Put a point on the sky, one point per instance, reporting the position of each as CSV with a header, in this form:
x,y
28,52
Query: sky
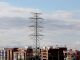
x,y
61,22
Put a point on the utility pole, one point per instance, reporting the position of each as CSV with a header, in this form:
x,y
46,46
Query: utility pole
x,y
36,33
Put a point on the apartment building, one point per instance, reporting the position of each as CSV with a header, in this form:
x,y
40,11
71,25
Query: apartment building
x,y
44,54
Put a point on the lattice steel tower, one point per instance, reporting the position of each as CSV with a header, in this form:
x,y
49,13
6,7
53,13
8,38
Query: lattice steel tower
x,y
37,28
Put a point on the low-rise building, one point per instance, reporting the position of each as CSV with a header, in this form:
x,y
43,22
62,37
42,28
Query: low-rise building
x,y
44,54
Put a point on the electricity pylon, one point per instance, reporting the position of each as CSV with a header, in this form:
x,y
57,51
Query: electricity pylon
x,y
36,32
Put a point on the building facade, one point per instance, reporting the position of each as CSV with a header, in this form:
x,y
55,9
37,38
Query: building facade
x,y
44,54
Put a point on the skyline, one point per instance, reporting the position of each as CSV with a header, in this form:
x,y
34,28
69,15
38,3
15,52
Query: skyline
x,y
61,22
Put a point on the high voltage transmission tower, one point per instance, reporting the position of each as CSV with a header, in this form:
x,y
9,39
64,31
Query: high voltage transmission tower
x,y
36,32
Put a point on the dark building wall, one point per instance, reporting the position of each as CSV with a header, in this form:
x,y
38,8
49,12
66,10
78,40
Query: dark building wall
x,y
56,54
53,54
61,54
29,53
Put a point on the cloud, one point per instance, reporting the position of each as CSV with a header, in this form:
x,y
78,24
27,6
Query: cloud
x,y
63,20
16,22
63,28
62,14
65,16
14,17
7,10
60,27
13,37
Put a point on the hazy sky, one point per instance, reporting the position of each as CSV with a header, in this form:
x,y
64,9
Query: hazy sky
x,y
61,22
